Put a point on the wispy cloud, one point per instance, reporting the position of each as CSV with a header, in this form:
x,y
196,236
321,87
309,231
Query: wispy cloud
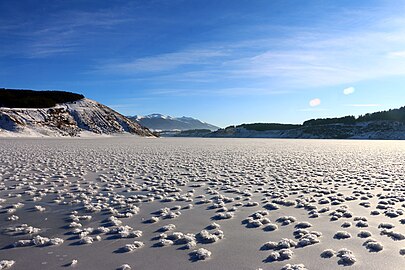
x,y
48,46
236,91
363,105
306,57
396,54
164,62
60,33
312,110
326,60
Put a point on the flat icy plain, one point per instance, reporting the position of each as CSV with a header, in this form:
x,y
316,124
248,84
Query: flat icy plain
x,y
133,203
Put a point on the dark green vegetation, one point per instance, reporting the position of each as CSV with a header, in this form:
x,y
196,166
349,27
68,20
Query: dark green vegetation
x,y
329,121
395,115
190,131
13,98
185,133
268,126
390,115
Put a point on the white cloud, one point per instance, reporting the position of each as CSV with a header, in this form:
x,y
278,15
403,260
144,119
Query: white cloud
x,y
348,90
314,102
397,54
165,62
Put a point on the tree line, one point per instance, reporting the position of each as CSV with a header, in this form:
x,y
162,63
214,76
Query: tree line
x,y
15,98
390,115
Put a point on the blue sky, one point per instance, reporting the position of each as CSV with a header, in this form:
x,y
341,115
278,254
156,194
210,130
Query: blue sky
x,y
225,62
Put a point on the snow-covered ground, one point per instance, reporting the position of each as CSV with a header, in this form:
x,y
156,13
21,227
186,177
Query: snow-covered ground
x,y
134,203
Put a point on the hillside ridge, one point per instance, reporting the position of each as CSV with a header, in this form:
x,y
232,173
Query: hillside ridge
x,y
76,118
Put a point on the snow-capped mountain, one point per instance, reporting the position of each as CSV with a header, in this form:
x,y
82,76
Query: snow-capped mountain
x,y
83,117
160,122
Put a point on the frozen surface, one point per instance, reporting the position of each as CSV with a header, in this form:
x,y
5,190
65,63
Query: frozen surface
x,y
133,203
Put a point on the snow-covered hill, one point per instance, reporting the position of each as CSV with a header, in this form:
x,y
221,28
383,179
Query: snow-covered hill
x,y
84,117
159,122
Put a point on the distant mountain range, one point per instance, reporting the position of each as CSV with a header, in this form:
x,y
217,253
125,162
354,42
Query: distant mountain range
x,y
159,122
27,113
